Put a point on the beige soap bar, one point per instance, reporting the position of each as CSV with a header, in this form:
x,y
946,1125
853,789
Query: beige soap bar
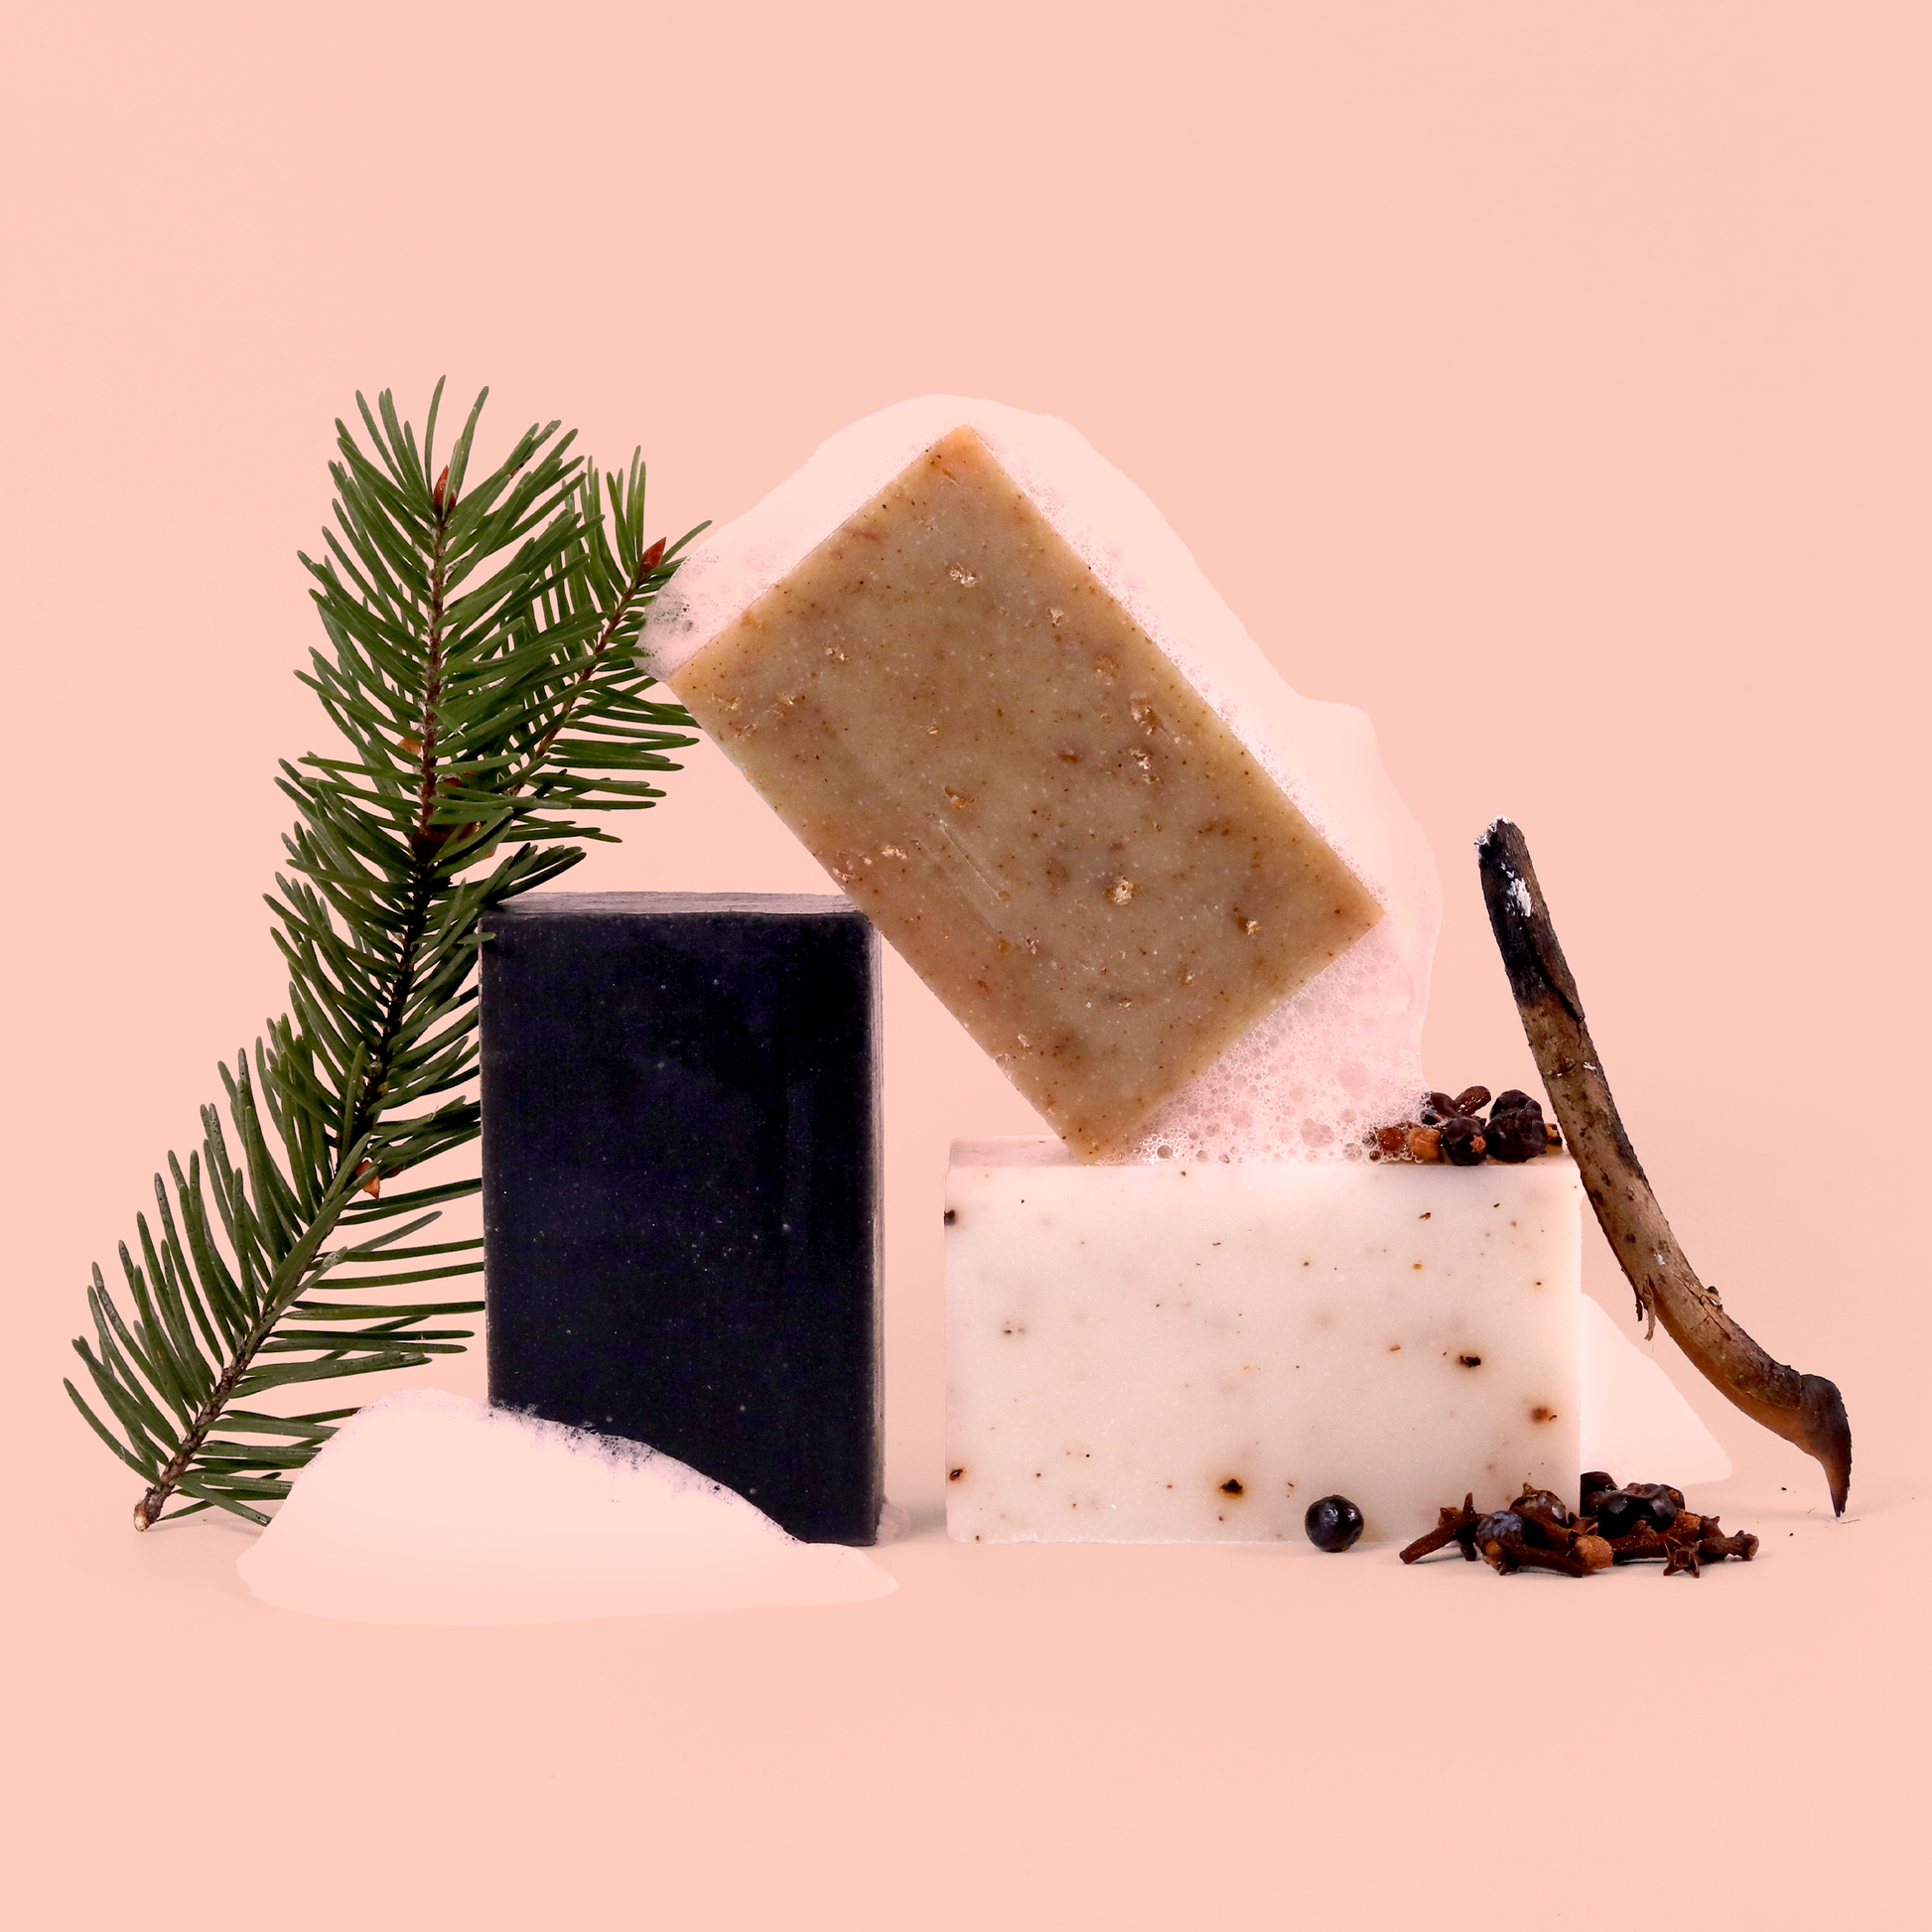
x,y
1033,805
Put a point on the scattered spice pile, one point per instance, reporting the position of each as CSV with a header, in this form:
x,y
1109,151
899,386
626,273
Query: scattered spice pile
x,y
1454,1129
1643,1522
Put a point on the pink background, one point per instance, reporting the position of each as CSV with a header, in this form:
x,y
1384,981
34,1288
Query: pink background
x,y
1551,384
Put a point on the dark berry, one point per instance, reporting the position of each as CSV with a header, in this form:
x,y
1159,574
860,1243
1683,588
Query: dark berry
x,y
1619,1514
1515,1100
1546,1502
1334,1524
1643,1505
1463,1139
1494,1533
1516,1136
1592,1485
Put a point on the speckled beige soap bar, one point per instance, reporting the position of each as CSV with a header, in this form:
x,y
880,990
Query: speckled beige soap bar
x,y
1037,810
1182,1354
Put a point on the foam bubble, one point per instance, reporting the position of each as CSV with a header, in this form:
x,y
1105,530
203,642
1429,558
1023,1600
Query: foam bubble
x,y
1342,1055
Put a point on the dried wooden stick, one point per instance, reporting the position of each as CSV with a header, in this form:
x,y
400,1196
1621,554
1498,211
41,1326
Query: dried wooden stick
x,y
1806,1410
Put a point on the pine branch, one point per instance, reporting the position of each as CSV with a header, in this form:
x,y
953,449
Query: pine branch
x,y
482,671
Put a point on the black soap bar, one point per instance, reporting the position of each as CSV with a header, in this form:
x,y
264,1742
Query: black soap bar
x,y
680,1159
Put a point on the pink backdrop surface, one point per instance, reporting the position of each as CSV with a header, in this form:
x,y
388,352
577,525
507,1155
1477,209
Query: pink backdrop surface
x,y
1552,385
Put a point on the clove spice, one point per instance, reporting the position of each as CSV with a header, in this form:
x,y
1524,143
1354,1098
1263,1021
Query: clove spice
x,y
1452,1129
1538,1532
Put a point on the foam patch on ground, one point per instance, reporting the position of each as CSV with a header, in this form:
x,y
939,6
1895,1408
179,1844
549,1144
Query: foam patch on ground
x,y
427,1508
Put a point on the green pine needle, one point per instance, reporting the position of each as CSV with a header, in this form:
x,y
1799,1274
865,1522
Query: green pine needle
x,y
483,670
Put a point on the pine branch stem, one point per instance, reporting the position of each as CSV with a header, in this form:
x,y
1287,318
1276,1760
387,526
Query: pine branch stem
x,y
147,1511
425,843
473,711
425,834
369,1103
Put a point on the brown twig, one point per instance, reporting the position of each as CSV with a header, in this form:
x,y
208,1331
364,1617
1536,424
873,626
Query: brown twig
x,y
1806,1410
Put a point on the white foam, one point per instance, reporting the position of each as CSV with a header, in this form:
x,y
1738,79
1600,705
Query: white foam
x,y
1346,1052
1635,1422
426,1508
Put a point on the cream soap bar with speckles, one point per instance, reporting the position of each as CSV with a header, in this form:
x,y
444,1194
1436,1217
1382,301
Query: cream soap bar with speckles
x,y
1191,1353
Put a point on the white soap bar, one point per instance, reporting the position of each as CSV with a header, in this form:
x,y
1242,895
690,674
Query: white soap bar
x,y
1185,1353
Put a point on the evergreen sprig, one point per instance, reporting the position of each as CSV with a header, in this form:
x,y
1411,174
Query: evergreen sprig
x,y
483,668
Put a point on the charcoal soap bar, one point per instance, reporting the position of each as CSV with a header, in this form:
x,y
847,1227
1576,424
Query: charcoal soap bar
x,y
681,1185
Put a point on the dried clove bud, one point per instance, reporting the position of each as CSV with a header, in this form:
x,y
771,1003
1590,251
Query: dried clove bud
x,y
1451,1526
1689,1543
1501,1542
1641,1544
1542,1529
1682,1559
1714,1546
